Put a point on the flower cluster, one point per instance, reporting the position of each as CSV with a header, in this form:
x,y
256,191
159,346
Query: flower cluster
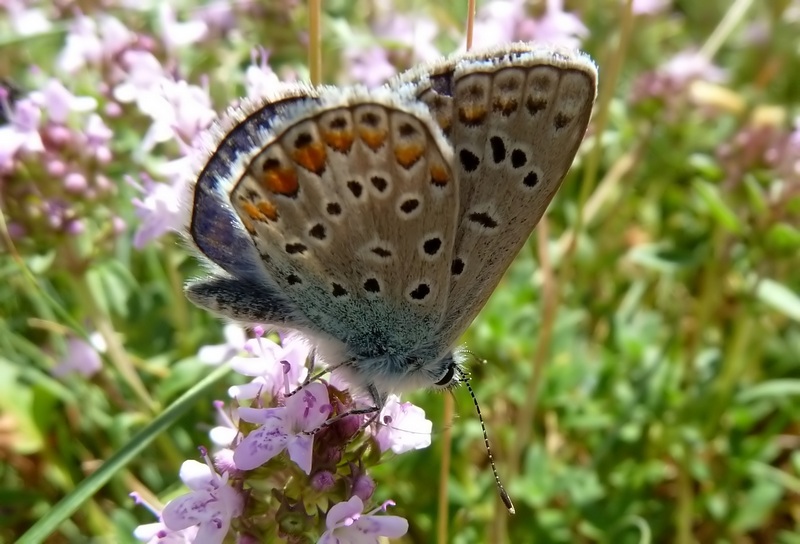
x,y
291,459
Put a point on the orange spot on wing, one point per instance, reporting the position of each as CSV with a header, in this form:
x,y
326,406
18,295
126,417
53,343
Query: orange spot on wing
x,y
268,209
505,106
439,175
252,211
472,114
408,155
311,157
279,179
340,140
373,138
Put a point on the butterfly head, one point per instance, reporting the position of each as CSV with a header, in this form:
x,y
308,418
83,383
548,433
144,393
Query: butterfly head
x,y
380,376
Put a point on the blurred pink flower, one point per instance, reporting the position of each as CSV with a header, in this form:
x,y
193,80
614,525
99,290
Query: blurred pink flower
x,y
226,432
98,135
92,40
415,31
59,102
26,20
142,72
176,34
555,26
159,210
22,133
650,7
369,66
497,22
235,339
692,65
503,21
372,64
179,111
259,79
81,357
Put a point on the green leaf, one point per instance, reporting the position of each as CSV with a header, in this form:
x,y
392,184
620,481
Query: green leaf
x,y
778,297
783,236
770,389
717,206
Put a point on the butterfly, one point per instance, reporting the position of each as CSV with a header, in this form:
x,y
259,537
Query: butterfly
x,y
377,222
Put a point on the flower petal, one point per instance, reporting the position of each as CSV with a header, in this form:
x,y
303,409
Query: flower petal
x,y
407,428
300,449
188,510
261,445
391,526
263,416
212,531
196,475
342,511
223,436
309,408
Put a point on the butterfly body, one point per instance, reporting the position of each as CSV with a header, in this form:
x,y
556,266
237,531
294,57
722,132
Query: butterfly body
x,y
378,222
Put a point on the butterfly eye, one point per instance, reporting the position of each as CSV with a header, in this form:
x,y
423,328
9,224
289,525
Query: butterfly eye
x,y
448,376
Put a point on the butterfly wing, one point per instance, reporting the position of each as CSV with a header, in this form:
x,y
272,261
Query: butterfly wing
x,y
515,117
351,206
238,288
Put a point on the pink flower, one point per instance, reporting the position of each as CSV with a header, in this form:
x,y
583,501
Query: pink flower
x,y
81,357
284,428
59,102
235,340
225,433
497,22
650,7
556,26
259,79
176,34
275,367
22,134
83,46
416,31
115,37
143,71
690,65
158,533
25,20
347,525
209,506
159,211
403,427
179,111
369,66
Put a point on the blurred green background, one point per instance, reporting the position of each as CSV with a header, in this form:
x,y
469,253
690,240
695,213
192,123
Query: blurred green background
x,y
642,375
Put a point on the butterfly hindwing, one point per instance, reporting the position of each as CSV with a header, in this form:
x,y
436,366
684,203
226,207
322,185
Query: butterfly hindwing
x,y
238,288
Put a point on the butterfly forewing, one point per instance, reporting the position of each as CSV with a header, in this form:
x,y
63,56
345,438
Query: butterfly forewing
x,y
515,117
352,207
